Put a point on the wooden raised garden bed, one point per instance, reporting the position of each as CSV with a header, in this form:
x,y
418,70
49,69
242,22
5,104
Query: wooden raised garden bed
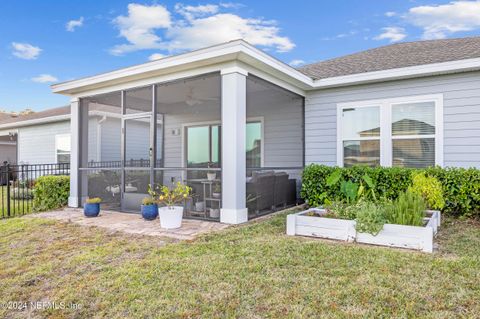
x,y
311,223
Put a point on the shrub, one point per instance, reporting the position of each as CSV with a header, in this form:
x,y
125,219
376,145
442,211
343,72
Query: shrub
x,y
93,200
387,183
429,188
407,209
170,195
148,201
461,187
50,192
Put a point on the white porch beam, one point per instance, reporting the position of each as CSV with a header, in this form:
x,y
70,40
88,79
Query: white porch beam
x,y
75,124
234,100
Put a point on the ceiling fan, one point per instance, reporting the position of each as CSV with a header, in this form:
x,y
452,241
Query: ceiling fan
x,y
191,100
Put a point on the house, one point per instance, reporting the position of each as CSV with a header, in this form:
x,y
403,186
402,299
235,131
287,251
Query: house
x,y
253,122
44,137
35,138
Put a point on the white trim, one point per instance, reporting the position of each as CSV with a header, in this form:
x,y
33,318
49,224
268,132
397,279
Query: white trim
x,y
386,137
233,216
237,50
44,120
8,132
57,136
241,51
400,73
99,137
234,69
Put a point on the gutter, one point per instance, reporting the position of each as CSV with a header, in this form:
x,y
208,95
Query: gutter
x,y
240,50
400,73
44,120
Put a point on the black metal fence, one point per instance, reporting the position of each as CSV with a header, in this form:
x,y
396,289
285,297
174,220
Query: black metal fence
x,y
17,183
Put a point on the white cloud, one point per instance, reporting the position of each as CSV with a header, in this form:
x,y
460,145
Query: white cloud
x,y
296,62
393,34
231,5
439,21
350,33
156,56
390,13
192,12
224,27
44,78
25,51
72,24
138,28
193,27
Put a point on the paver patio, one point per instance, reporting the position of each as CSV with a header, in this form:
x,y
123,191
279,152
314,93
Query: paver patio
x,y
133,223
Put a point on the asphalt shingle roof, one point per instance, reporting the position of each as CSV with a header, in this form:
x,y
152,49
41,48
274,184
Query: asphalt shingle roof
x,y
6,118
396,56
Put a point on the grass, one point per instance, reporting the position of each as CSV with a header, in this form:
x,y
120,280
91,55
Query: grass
x,y
252,271
17,208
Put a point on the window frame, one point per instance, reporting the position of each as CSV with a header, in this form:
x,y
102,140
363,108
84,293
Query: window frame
x,y
57,137
386,138
183,134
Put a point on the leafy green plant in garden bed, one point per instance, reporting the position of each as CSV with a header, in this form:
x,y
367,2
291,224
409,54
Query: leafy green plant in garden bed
x,y
407,209
370,218
429,188
460,187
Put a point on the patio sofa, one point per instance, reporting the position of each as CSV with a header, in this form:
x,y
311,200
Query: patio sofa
x,y
269,190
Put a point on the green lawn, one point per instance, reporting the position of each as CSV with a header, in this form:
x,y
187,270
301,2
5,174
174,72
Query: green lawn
x,y
252,271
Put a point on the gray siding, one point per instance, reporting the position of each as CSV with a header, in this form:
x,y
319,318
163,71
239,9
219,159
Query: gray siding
x,y
461,93
36,144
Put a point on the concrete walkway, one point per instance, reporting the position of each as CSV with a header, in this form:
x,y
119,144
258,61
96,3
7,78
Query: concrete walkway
x,y
133,223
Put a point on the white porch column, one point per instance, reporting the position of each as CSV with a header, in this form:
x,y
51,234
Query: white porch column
x,y
234,100
75,118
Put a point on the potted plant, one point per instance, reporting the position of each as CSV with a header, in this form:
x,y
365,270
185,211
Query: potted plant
x,y
171,215
92,207
149,208
211,176
217,189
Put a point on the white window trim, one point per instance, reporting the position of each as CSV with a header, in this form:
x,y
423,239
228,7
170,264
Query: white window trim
x,y
57,136
386,125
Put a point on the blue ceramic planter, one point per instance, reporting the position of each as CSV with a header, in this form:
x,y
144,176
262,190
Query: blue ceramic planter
x,y
149,212
91,210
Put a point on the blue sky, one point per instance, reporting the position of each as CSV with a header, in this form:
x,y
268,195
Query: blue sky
x,y
42,42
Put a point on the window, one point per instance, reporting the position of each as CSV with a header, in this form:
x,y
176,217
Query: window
x,y
403,132
203,145
413,134
62,148
253,144
361,135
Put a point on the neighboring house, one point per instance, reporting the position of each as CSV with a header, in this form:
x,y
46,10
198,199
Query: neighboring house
x,y
233,110
44,137
8,144
36,138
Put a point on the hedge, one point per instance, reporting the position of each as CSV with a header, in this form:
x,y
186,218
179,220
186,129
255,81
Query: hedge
x,y
51,192
461,186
